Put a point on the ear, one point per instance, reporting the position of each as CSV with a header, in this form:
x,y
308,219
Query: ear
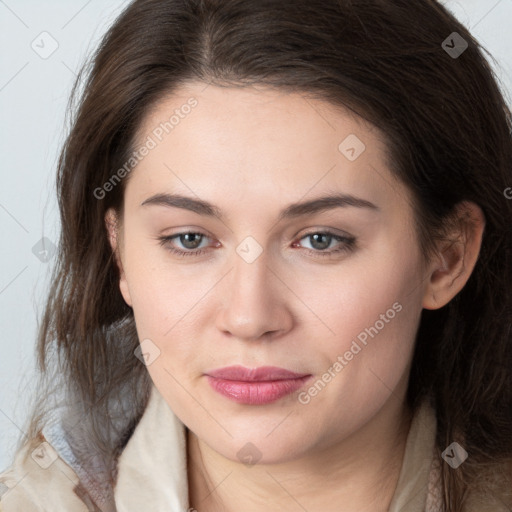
x,y
112,225
457,256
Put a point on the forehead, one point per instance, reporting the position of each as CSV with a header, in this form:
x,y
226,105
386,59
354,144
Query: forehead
x,y
257,141
221,112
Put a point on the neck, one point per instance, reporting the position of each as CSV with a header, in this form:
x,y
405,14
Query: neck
x,y
359,473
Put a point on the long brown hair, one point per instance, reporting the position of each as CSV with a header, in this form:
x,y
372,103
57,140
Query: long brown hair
x,y
449,133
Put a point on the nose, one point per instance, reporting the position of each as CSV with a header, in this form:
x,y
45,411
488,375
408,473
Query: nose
x,y
255,300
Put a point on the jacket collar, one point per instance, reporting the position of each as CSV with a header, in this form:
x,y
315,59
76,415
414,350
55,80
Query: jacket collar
x,y
68,436
152,469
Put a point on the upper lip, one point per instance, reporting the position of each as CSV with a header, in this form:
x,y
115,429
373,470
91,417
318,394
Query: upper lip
x,y
263,373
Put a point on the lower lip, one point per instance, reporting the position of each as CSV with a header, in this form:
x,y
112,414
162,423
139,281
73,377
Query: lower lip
x,y
256,393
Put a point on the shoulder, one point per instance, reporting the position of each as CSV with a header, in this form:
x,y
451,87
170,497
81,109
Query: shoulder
x,y
491,491
494,490
38,479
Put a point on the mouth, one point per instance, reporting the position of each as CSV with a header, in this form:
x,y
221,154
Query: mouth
x,y
257,386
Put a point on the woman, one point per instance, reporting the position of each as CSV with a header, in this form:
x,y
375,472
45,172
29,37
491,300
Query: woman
x,y
285,268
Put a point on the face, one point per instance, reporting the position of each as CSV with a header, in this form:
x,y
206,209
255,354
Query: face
x,y
333,294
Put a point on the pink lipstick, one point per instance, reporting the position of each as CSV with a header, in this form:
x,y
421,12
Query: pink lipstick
x,y
256,386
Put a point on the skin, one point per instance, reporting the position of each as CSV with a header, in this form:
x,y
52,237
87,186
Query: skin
x,y
253,151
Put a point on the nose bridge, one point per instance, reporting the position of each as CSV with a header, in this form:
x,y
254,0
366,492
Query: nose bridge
x,y
251,305
249,281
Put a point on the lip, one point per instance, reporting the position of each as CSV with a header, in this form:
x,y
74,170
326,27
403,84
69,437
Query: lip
x,y
262,373
256,386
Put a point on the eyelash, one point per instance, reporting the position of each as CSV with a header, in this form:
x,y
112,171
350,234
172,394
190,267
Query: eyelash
x,y
349,244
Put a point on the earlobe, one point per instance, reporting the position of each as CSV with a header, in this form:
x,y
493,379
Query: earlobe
x,y
456,259
112,226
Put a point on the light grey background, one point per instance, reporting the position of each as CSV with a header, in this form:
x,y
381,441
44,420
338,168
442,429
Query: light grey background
x,y
33,98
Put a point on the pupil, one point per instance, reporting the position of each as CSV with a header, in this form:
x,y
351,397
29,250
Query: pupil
x,y
317,241
322,245
187,237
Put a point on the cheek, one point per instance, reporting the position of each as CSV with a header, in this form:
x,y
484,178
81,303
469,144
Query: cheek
x,y
162,291
374,312
367,294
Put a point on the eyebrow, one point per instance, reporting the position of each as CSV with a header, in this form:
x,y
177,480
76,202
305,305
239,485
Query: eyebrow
x,y
293,210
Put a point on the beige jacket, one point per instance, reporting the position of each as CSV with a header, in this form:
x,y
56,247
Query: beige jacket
x,y
152,472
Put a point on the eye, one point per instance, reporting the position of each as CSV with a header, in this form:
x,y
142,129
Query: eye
x,y
190,240
321,240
